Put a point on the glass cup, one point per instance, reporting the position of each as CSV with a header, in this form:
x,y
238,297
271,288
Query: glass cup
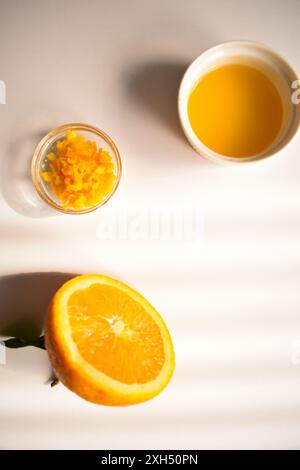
x,y
47,145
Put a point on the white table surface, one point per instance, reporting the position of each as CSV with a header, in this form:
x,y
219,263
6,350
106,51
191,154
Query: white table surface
x,y
230,295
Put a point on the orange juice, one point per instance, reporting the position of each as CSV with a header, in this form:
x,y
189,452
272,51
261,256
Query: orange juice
x,y
236,110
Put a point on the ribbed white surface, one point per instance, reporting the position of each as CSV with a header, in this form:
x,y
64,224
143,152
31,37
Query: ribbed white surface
x,y
230,295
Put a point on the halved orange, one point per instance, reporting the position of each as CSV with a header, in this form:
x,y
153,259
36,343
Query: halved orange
x,y
106,342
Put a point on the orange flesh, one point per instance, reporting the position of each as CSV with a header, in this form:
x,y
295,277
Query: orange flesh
x,y
115,334
236,110
80,174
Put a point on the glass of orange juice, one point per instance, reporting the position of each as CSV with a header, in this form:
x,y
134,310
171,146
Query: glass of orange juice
x,y
235,103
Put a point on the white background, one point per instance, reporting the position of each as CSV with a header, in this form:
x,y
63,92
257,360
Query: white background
x,y
230,296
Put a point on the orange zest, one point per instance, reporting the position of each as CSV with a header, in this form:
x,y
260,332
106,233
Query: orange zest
x,y
107,343
79,173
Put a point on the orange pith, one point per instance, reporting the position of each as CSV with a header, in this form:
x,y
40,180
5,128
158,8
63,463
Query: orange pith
x,y
115,334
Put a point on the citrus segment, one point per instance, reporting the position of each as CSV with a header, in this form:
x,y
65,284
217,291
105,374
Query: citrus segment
x,y
115,334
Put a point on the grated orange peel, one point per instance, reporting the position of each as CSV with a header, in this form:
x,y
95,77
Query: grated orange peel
x,y
80,174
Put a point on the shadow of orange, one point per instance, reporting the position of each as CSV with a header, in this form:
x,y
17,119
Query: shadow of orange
x,y
24,301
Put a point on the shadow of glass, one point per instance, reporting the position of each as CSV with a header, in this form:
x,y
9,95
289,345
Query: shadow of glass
x,y
24,302
22,137
15,180
154,86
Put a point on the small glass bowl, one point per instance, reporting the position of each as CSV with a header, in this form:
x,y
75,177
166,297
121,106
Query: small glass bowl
x,y
47,144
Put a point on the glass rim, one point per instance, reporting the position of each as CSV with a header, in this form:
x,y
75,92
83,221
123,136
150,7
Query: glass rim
x,y
38,154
